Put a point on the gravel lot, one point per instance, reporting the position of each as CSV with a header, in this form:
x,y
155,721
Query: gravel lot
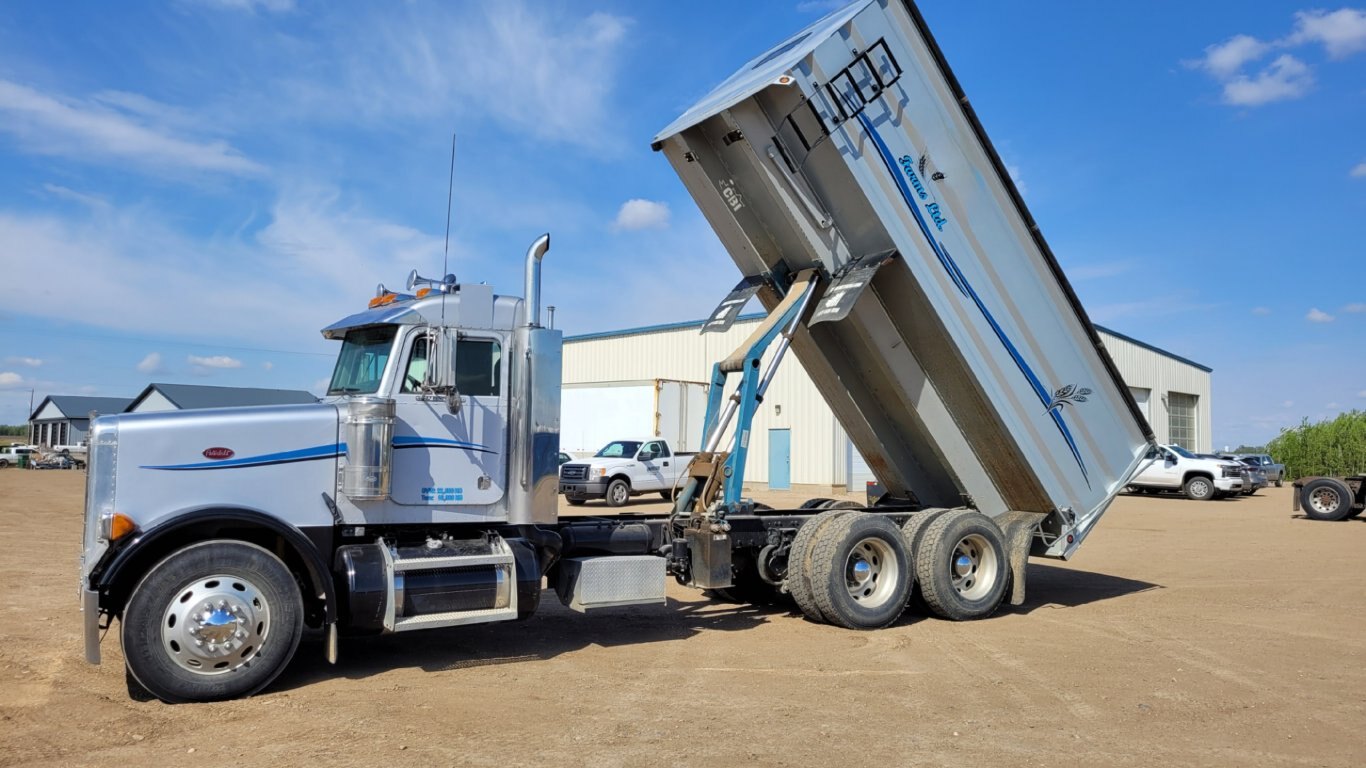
x,y
1183,633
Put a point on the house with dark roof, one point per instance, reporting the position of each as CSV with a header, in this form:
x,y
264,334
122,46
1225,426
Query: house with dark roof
x,y
64,419
179,397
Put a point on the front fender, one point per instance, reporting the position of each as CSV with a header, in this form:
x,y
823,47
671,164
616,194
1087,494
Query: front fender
x,y
122,566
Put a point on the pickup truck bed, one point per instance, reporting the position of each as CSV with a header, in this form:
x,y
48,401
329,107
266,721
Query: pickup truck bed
x,y
958,359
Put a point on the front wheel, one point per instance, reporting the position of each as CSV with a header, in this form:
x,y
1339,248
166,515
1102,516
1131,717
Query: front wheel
x,y
3,463
1278,482
1199,488
575,501
214,621
618,493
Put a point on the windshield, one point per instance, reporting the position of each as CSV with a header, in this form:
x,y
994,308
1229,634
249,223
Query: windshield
x,y
360,366
618,449
1179,451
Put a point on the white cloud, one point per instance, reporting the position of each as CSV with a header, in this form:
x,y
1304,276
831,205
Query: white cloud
x,y
1355,308
546,74
1341,32
151,363
1332,406
32,362
268,365
1288,404
96,129
1262,311
1362,393
1284,78
10,379
1317,316
1359,171
216,361
62,193
642,214
1226,59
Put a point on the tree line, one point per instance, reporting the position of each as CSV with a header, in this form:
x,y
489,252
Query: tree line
x,y
1331,447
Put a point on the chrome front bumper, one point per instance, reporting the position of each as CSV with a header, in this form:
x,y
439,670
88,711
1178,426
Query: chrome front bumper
x,y
90,620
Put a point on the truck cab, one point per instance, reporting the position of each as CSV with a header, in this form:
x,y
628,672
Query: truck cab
x,y
1173,468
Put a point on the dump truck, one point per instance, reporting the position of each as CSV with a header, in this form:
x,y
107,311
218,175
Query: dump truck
x,y
863,204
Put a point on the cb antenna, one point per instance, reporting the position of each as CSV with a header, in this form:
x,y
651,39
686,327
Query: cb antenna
x,y
446,252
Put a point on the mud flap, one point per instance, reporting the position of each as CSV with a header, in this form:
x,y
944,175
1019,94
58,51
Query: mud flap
x,y
723,317
848,285
1018,528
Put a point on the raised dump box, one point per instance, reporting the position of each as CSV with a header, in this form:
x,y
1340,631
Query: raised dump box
x,y
947,340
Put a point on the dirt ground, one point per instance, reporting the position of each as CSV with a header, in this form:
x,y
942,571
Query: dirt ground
x,y
1183,633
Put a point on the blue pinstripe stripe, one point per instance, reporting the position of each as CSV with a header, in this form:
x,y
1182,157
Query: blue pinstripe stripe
x,y
961,281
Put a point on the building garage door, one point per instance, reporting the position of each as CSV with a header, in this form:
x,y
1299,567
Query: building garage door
x,y
857,472
1181,419
1141,397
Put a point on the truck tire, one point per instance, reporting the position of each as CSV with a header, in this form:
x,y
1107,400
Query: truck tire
x,y
1326,498
962,566
1278,482
1199,488
860,571
4,463
798,579
666,495
575,501
618,493
239,596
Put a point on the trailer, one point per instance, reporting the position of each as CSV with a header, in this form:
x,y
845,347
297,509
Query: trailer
x,y
592,415
863,204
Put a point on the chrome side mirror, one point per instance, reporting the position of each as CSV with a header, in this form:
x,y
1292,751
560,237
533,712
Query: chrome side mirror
x,y
453,401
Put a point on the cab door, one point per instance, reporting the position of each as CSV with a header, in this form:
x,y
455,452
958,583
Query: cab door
x,y
444,459
654,460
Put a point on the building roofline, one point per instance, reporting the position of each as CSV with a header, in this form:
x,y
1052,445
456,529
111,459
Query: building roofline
x,y
645,329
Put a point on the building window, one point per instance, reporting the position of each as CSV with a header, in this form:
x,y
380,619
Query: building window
x,y
1181,429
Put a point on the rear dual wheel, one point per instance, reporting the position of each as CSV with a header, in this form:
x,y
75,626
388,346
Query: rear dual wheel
x,y
1327,498
962,565
850,569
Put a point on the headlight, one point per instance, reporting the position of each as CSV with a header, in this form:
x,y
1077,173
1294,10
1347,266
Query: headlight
x,y
599,471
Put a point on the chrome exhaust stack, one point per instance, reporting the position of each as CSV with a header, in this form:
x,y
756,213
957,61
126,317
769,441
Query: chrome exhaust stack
x,y
533,280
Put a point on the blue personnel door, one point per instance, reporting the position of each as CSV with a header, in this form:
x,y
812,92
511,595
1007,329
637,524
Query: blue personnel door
x,y
780,459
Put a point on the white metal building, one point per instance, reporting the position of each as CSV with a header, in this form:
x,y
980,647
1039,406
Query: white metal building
x,y
1171,391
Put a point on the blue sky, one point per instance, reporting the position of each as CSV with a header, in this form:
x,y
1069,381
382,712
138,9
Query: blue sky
x,y
192,188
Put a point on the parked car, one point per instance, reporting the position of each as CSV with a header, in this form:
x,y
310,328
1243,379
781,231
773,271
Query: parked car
x,y
9,455
1254,478
1275,473
622,469
1173,468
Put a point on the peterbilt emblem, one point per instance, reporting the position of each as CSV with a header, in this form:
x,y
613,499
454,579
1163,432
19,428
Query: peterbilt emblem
x,y
218,453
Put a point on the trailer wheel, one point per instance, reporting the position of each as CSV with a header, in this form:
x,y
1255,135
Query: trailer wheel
x,y
860,571
216,620
618,493
798,579
962,566
1326,498
1199,488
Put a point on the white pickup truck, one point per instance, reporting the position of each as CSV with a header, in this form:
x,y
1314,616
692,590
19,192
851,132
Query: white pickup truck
x,y
622,469
1173,468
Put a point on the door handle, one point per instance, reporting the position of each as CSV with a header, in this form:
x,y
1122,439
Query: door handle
x,y
666,463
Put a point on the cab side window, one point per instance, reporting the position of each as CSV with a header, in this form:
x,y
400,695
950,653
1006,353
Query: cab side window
x,y
416,371
478,368
656,449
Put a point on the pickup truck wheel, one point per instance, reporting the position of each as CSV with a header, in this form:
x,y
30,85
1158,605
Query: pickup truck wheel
x,y
860,571
4,463
1326,498
618,493
216,620
798,579
1278,482
1199,488
962,566
574,501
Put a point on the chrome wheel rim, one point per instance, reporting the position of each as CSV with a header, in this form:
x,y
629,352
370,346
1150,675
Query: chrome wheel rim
x,y
619,494
215,625
871,572
1324,500
1199,487
973,567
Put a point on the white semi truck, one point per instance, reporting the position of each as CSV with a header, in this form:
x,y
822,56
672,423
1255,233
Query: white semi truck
x,y
854,188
